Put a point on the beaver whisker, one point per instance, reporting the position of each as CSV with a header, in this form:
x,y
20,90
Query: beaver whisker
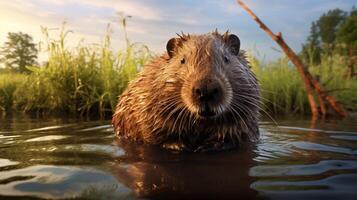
x,y
250,89
168,117
185,120
248,100
182,120
262,102
255,96
237,112
176,120
249,85
245,111
265,112
261,109
248,111
191,119
172,108
250,95
188,116
170,103
171,127
239,107
233,112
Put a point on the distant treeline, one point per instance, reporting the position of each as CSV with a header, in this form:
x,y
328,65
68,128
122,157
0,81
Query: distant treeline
x,y
335,32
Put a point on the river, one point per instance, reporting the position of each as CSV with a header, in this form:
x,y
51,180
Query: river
x,y
61,158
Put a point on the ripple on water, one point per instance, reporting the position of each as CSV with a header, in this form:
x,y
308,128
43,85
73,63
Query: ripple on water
x,y
288,163
6,162
323,147
103,127
48,128
315,130
304,169
8,139
47,138
105,149
345,137
341,186
61,182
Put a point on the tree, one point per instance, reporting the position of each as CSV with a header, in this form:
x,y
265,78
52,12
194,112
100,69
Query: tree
x,y
328,24
347,32
311,51
347,36
323,36
18,52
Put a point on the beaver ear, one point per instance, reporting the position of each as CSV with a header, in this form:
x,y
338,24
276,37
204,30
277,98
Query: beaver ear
x,y
172,46
233,43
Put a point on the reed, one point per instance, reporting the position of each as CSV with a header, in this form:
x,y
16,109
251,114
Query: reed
x,y
87,80
283,91
81,81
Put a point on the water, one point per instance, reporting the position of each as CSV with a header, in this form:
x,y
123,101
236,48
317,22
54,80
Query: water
x,y
73,159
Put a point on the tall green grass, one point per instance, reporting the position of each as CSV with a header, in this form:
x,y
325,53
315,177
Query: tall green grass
x,y
82,81
9,82
283,91
87,80
281,87
332,73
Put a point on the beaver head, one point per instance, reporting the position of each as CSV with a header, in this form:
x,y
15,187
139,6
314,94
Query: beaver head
x,y
214,76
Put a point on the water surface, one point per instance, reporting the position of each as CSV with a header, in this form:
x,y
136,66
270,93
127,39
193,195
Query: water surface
x,y
74,159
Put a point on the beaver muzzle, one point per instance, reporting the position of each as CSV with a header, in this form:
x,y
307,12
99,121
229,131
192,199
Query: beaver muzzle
x,y
207,93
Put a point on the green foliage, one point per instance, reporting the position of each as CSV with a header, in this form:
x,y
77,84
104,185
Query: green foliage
x,y
328,24
332,33
311,51
88,79
82,81
18,52
333,78
283,90
281,87
8,84
347,33
348,30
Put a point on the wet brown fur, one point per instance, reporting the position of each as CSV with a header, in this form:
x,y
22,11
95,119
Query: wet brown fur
x,y
156,107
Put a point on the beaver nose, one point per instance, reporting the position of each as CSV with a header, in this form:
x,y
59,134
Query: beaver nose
x,y
207,91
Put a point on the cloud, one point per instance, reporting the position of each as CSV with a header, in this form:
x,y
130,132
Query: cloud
x,y
138,9
153,22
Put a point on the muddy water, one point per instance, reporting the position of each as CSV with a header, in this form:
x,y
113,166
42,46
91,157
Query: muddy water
x,y
72,159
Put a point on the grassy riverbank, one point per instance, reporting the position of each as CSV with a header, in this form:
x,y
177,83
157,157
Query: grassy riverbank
x,y
87,80
82,81
283,91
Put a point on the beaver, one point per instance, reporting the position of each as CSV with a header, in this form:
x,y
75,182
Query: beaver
x,y
200,95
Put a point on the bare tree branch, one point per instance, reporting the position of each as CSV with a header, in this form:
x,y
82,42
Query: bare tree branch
x,y
310,83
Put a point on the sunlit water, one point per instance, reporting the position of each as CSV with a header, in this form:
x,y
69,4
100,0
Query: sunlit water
x,y
69,159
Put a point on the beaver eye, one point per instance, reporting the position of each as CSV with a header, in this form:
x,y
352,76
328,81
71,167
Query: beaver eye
x,y
226,60
183,61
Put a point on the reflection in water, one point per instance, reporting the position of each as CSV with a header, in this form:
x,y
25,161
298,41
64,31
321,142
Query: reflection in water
x,y
306,170
52,181
335,187
64,158
46,138
6,162
152,172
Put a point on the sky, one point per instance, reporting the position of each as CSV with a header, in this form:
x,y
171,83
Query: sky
x,y
154,22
